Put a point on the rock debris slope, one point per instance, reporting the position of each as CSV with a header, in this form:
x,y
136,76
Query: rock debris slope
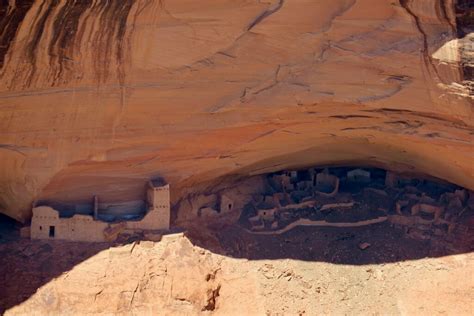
x,y
98,96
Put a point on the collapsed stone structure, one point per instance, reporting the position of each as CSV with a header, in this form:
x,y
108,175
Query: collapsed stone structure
x,y
344,197
47,223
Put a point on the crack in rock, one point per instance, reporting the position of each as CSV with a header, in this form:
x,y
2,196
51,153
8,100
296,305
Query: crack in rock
x,y
265,14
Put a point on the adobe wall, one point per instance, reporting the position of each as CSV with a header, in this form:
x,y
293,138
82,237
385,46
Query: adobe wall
x,y
76,228
158,216
46,223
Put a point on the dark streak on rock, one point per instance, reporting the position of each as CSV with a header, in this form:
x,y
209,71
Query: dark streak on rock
x,y
452,121
405,124
65,28
65,25
10,20
38,31
444,14
113,24
272,9
425,51
66,31
375,128
122,24
346,117
35,36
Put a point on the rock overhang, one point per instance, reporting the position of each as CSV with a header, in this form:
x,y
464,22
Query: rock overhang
x,y
357,86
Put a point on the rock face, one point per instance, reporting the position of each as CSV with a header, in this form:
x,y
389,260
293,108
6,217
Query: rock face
x,y
175,277
98,96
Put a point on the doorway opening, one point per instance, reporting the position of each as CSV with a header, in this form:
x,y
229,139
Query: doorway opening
x,y
51,231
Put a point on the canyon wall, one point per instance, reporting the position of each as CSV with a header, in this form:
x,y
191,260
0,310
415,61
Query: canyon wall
x,y
98,96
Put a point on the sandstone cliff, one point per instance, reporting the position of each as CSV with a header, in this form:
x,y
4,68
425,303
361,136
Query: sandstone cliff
x,y
98,96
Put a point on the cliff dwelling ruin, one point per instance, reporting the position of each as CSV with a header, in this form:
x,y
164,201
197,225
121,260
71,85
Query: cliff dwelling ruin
x,y
342,197
47,223
423,208
318,157
272,204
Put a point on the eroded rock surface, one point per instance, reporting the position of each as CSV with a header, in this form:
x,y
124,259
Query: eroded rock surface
x,y
96,97
175,277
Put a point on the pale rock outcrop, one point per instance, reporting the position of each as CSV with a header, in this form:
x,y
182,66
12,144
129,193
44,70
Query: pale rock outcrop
x,y
168,278
98,96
